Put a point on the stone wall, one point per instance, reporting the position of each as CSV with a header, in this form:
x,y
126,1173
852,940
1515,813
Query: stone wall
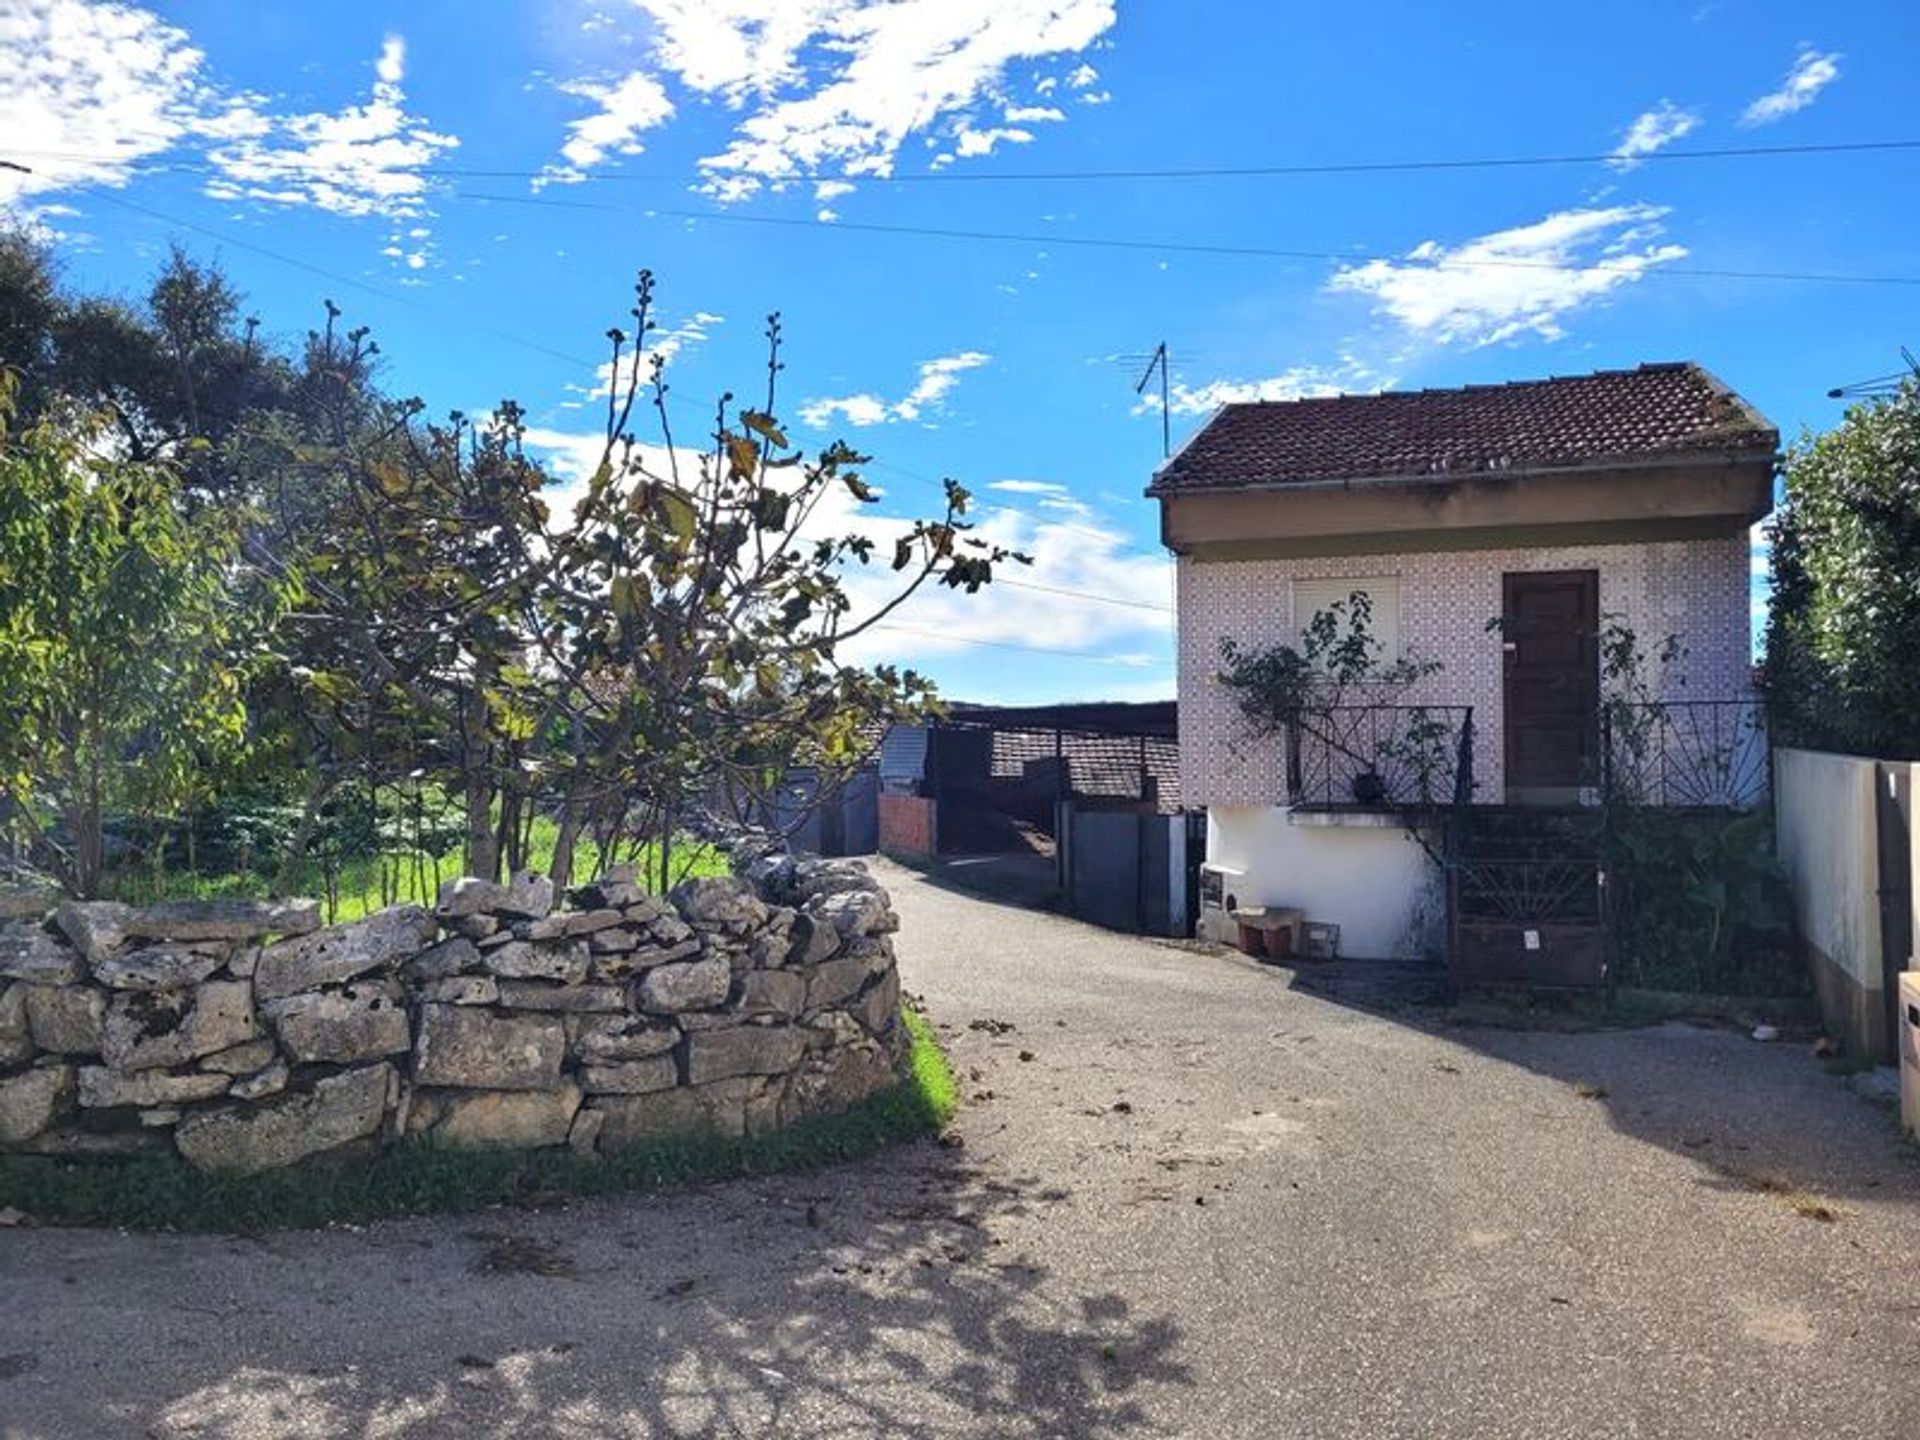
x,y
246,1035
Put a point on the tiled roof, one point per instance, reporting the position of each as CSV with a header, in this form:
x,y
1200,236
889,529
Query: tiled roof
x,y
1624,415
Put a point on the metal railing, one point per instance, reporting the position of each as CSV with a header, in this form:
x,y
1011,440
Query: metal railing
x,y
1685,754
1380,757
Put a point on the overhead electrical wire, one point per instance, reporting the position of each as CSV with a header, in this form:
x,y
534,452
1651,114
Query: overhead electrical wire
x,y
1053,177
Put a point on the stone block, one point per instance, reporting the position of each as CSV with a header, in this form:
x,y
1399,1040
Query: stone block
x,y
878,1007
471,927
468,1047
469,895
153,1029
574,922
583,1138
16,1039
339,1109
529,896
631,1077
501,1120
856,912
461,990
26,899
96,928
102,1088
270,1079
66,1019
618,1037
539,995
364,1021
30,952
227,920
836,982
743,1050
240,1059
773,992
837,1081
686,985
727,1107
31,1100
719,902
565,962
160,967
457,956
646,957
342,952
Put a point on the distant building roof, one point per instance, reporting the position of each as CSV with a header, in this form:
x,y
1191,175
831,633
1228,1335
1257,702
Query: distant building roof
x,y
1609,416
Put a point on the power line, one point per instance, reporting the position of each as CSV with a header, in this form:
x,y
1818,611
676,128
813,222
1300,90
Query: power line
x,y
1083,595
1177,172
1180,247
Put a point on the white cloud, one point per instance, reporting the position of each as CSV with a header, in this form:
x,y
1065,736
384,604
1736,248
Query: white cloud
x,y
936,380
111,83
1810,73
1298,383
831,189
1650,131
361,160
627,110
1512,282
821,84
1075,557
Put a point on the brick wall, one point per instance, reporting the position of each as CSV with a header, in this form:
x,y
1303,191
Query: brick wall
x,y
1696,589
909,825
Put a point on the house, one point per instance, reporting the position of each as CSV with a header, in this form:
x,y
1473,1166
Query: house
x,y
1566,559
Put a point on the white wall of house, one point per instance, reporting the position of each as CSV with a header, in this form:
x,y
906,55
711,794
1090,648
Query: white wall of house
x,y
1696,589
1375,882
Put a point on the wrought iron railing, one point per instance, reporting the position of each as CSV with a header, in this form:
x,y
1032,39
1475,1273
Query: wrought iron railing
x,y
1380,757
1687,754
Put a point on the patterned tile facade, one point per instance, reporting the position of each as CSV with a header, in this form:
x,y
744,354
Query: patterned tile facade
x,y
1695,589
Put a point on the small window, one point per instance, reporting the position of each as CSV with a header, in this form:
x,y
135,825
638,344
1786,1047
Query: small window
x,y
1382,592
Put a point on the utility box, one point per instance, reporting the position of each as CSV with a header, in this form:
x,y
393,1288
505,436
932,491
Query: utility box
x,y
1909,1046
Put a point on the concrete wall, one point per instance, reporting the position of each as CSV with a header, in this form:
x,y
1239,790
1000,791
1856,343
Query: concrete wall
x,y
1375,882
1696,589
1824,809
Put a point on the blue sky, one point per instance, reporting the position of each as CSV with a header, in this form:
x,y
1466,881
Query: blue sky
x,y
594,137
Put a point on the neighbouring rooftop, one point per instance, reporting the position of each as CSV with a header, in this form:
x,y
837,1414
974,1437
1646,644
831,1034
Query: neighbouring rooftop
x,y
1610,416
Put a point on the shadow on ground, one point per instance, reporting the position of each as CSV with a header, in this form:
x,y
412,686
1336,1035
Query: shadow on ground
x,y
1760,1115
874,1300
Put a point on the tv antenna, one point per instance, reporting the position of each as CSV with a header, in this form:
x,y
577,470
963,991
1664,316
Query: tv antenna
x,y
1159,362
1879,384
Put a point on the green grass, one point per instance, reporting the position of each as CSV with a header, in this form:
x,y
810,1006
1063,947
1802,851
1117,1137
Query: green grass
x,y
365,883
163,1192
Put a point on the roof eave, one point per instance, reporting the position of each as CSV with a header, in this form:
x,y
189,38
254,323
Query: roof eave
x,y
1766,449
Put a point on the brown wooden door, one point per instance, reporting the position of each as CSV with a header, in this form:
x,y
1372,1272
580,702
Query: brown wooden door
x,y
1552,699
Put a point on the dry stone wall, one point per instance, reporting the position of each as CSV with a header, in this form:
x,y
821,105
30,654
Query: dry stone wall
x,y
246,1035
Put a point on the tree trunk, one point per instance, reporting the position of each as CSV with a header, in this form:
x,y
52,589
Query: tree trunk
x,y
296,848
482,844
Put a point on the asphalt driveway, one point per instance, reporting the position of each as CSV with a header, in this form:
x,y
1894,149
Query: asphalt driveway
x,y
1188,1197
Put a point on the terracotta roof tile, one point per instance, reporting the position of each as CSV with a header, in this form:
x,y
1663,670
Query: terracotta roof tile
x,y
1625,415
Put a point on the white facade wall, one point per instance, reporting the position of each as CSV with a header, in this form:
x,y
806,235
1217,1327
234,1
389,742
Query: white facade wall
x,y
1696,589
1374,882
